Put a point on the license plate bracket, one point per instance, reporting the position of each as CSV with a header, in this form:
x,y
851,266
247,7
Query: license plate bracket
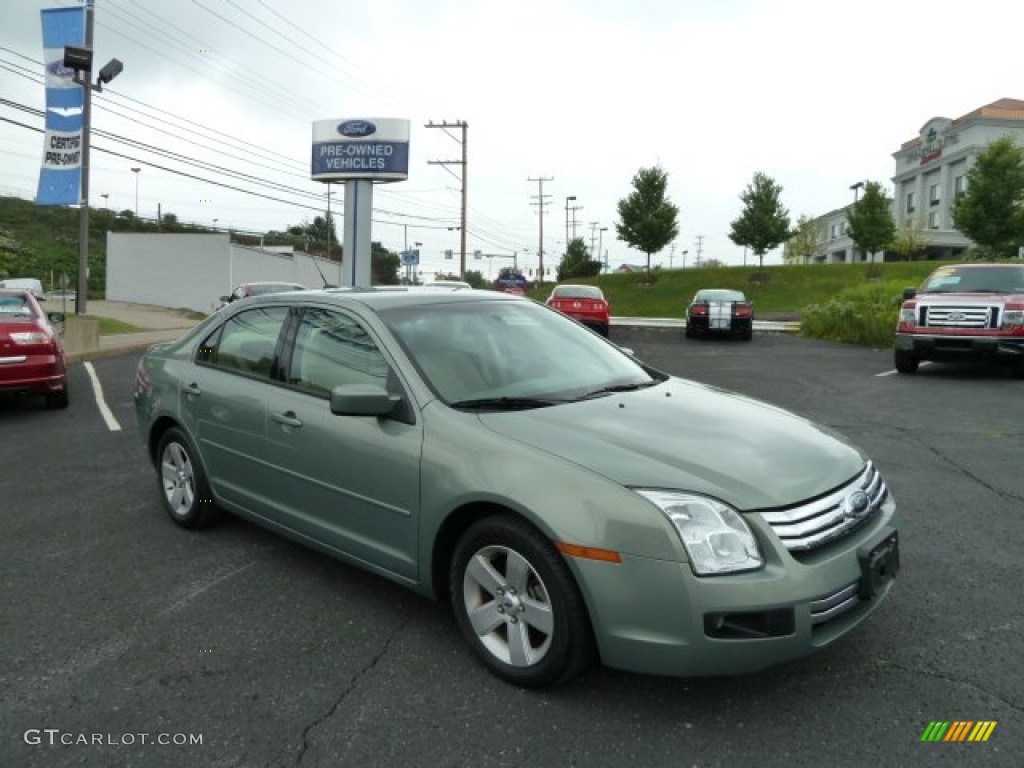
x,y
879,562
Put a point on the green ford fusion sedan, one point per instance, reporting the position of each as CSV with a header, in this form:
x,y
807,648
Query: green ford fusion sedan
x,y
571,503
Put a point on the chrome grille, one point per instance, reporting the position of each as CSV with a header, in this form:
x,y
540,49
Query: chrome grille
x,y
808,526
829,607
959,316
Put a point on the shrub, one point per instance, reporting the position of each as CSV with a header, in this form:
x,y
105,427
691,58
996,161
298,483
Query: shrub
x,y
865,314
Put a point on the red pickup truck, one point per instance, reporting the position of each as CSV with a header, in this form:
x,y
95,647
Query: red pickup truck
x,y
961,312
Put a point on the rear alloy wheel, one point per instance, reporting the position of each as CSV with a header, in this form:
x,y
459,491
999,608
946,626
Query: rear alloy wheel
x,y
517,604
905,362
183,484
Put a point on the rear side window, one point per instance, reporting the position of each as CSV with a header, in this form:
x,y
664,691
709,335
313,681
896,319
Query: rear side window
x,y
15,306
331,349
247,343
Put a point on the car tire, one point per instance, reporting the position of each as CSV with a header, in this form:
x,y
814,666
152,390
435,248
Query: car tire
x,y
603,330
517,604
690,332
57,400
747,334
182,481
905,362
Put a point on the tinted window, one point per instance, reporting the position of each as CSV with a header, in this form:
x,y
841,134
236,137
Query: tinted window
x,y
247,342
331,349
577,292
719,296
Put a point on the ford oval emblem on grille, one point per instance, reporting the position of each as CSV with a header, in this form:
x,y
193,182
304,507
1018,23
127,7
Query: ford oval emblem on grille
x,y
856,505
956,317
357,128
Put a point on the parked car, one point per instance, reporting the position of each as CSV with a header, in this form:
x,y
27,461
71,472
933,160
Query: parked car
x,y
963,312
571,504
32,357
256,289
450,284
720,310
585,303
31,284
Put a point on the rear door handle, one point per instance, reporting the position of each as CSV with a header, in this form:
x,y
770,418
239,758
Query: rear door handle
x,y
289,419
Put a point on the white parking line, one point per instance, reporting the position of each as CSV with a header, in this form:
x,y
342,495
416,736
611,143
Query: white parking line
x,y
97,390
894,371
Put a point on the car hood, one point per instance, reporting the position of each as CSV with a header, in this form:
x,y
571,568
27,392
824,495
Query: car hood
x,y
967,297
689,436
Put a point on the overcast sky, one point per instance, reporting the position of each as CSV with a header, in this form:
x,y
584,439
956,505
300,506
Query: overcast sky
x,y
585,93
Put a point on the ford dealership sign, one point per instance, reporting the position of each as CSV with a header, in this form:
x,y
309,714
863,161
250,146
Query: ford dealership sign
x,y
376,149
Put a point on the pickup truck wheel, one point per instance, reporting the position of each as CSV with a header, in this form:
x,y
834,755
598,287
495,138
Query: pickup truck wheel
x,y
906,362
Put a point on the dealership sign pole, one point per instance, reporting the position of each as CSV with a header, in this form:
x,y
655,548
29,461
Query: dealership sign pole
x,y
359,152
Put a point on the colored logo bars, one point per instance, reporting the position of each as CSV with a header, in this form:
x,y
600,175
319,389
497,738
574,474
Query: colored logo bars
x,y
958,730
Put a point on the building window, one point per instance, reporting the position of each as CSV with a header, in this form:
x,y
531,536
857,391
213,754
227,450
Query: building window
x,y
933,220
910,203
959,186
934,194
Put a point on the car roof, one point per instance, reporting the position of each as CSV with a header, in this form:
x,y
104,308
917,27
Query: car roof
x,y
385,297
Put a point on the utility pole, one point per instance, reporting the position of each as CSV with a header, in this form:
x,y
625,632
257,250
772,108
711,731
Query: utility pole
x,y
574,209
671,254
593,236
567,199
700,246
462,179
541,202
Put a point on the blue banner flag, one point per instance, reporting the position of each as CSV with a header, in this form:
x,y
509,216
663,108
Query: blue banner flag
x,y
60,177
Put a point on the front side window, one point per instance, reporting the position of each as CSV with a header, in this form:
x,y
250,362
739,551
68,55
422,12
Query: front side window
x,y
246,343
332,349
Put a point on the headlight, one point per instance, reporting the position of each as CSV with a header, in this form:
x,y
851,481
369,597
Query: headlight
x,y
1013,318
717,539
907,315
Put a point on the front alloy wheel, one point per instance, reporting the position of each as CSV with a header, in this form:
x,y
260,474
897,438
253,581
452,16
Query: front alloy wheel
x,y
905,362
183,485
517,604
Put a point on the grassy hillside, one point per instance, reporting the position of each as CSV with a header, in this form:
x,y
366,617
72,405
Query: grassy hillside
x,y
779,290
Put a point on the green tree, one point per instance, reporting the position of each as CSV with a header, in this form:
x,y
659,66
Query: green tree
x,y
869,221
384,265
764,223
807,240
475,278
577,262
991,212
911,239
647,219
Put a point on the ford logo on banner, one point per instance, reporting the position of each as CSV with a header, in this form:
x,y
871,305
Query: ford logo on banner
x,y
357,128
58,69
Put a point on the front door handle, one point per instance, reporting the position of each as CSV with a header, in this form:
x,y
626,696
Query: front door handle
x,y
191,389
289,419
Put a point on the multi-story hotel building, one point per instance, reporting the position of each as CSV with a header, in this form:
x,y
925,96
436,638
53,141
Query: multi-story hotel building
x,y
930,172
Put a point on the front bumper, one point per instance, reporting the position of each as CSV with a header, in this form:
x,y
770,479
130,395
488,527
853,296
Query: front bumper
x,y
949,347
656,617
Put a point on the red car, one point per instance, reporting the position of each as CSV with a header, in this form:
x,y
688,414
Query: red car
x,y
584,303
32,358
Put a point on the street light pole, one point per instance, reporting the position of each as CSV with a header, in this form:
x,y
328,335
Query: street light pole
x,y
600,248
567,199
136,172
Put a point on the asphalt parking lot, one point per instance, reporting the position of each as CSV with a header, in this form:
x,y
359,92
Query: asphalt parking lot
x,y
120,630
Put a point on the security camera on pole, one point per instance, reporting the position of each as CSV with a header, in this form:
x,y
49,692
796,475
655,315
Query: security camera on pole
x,y
359,152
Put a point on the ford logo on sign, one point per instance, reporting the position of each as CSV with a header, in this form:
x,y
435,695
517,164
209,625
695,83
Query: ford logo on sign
x,y
57,68
355,129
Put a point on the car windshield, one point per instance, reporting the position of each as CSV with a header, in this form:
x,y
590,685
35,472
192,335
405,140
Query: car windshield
x,y
510,354
15,308
975,279
719,295
577,292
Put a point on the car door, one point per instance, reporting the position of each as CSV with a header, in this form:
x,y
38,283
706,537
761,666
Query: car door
x,y
349,482
224,400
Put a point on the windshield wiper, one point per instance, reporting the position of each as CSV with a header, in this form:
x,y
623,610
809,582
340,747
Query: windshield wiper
x,y
507,403
613,388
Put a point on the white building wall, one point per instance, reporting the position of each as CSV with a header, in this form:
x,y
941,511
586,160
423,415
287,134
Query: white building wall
x,y
194,270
